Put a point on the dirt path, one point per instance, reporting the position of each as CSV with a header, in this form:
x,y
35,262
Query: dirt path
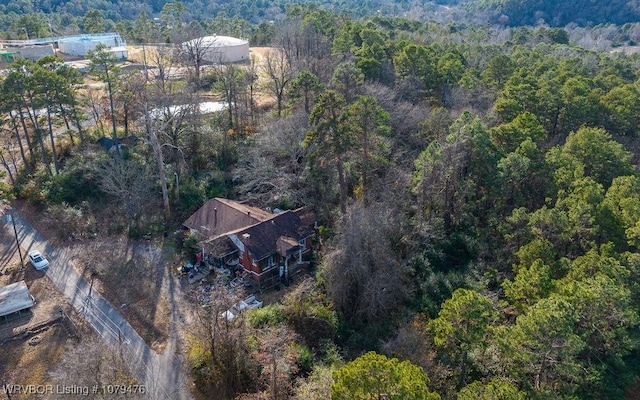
x,y
160,373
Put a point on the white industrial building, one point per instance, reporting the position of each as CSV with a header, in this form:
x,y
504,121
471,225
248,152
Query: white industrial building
x,y
75,45
216,49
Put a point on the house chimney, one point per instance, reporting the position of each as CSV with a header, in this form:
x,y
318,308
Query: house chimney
x,y
215,217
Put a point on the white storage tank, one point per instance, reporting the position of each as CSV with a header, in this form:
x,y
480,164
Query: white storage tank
x,y
80,45
36,51
219,48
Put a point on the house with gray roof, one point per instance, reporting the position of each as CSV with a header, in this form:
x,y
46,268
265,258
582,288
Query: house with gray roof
x,y
265,246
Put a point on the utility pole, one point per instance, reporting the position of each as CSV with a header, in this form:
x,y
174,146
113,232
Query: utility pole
x,y
15,231
50,30
93,276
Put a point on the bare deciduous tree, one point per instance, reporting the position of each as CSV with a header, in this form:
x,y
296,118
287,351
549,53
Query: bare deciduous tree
x,y
98,107
441,172
277,366
220,350
273,167
279,72
305,46
167,114
162,60
366,277
229,85
414,343
129,181
198,50
317,386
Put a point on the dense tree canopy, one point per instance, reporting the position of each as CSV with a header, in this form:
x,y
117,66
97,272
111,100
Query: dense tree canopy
x,y
560,13
373,376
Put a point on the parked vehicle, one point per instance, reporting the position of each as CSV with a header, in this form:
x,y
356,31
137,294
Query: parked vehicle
x,y
38,261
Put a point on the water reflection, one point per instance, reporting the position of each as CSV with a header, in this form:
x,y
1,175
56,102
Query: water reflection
x,y
206,107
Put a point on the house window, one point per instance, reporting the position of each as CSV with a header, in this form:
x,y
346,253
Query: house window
x,y
302,243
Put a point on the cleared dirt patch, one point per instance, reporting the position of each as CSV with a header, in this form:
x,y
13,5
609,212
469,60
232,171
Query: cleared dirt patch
x,y
130,276
26,362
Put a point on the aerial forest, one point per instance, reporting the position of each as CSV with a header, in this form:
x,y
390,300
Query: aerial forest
x,y
476,186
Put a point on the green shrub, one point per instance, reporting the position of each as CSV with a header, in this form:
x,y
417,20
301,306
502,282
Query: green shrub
x,y
304,358
208,80
34,187
197,353
191,197
69,221
190,244
309,313
285,202
271,315
216,185
73,186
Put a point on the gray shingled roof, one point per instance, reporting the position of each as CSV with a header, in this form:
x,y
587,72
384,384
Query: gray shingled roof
x,y
262,239
220,216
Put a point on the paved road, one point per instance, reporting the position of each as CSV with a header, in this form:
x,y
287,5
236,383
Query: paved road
x,y
160,373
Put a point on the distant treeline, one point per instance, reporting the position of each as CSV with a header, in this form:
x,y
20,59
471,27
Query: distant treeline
x,y
560,12
66,17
